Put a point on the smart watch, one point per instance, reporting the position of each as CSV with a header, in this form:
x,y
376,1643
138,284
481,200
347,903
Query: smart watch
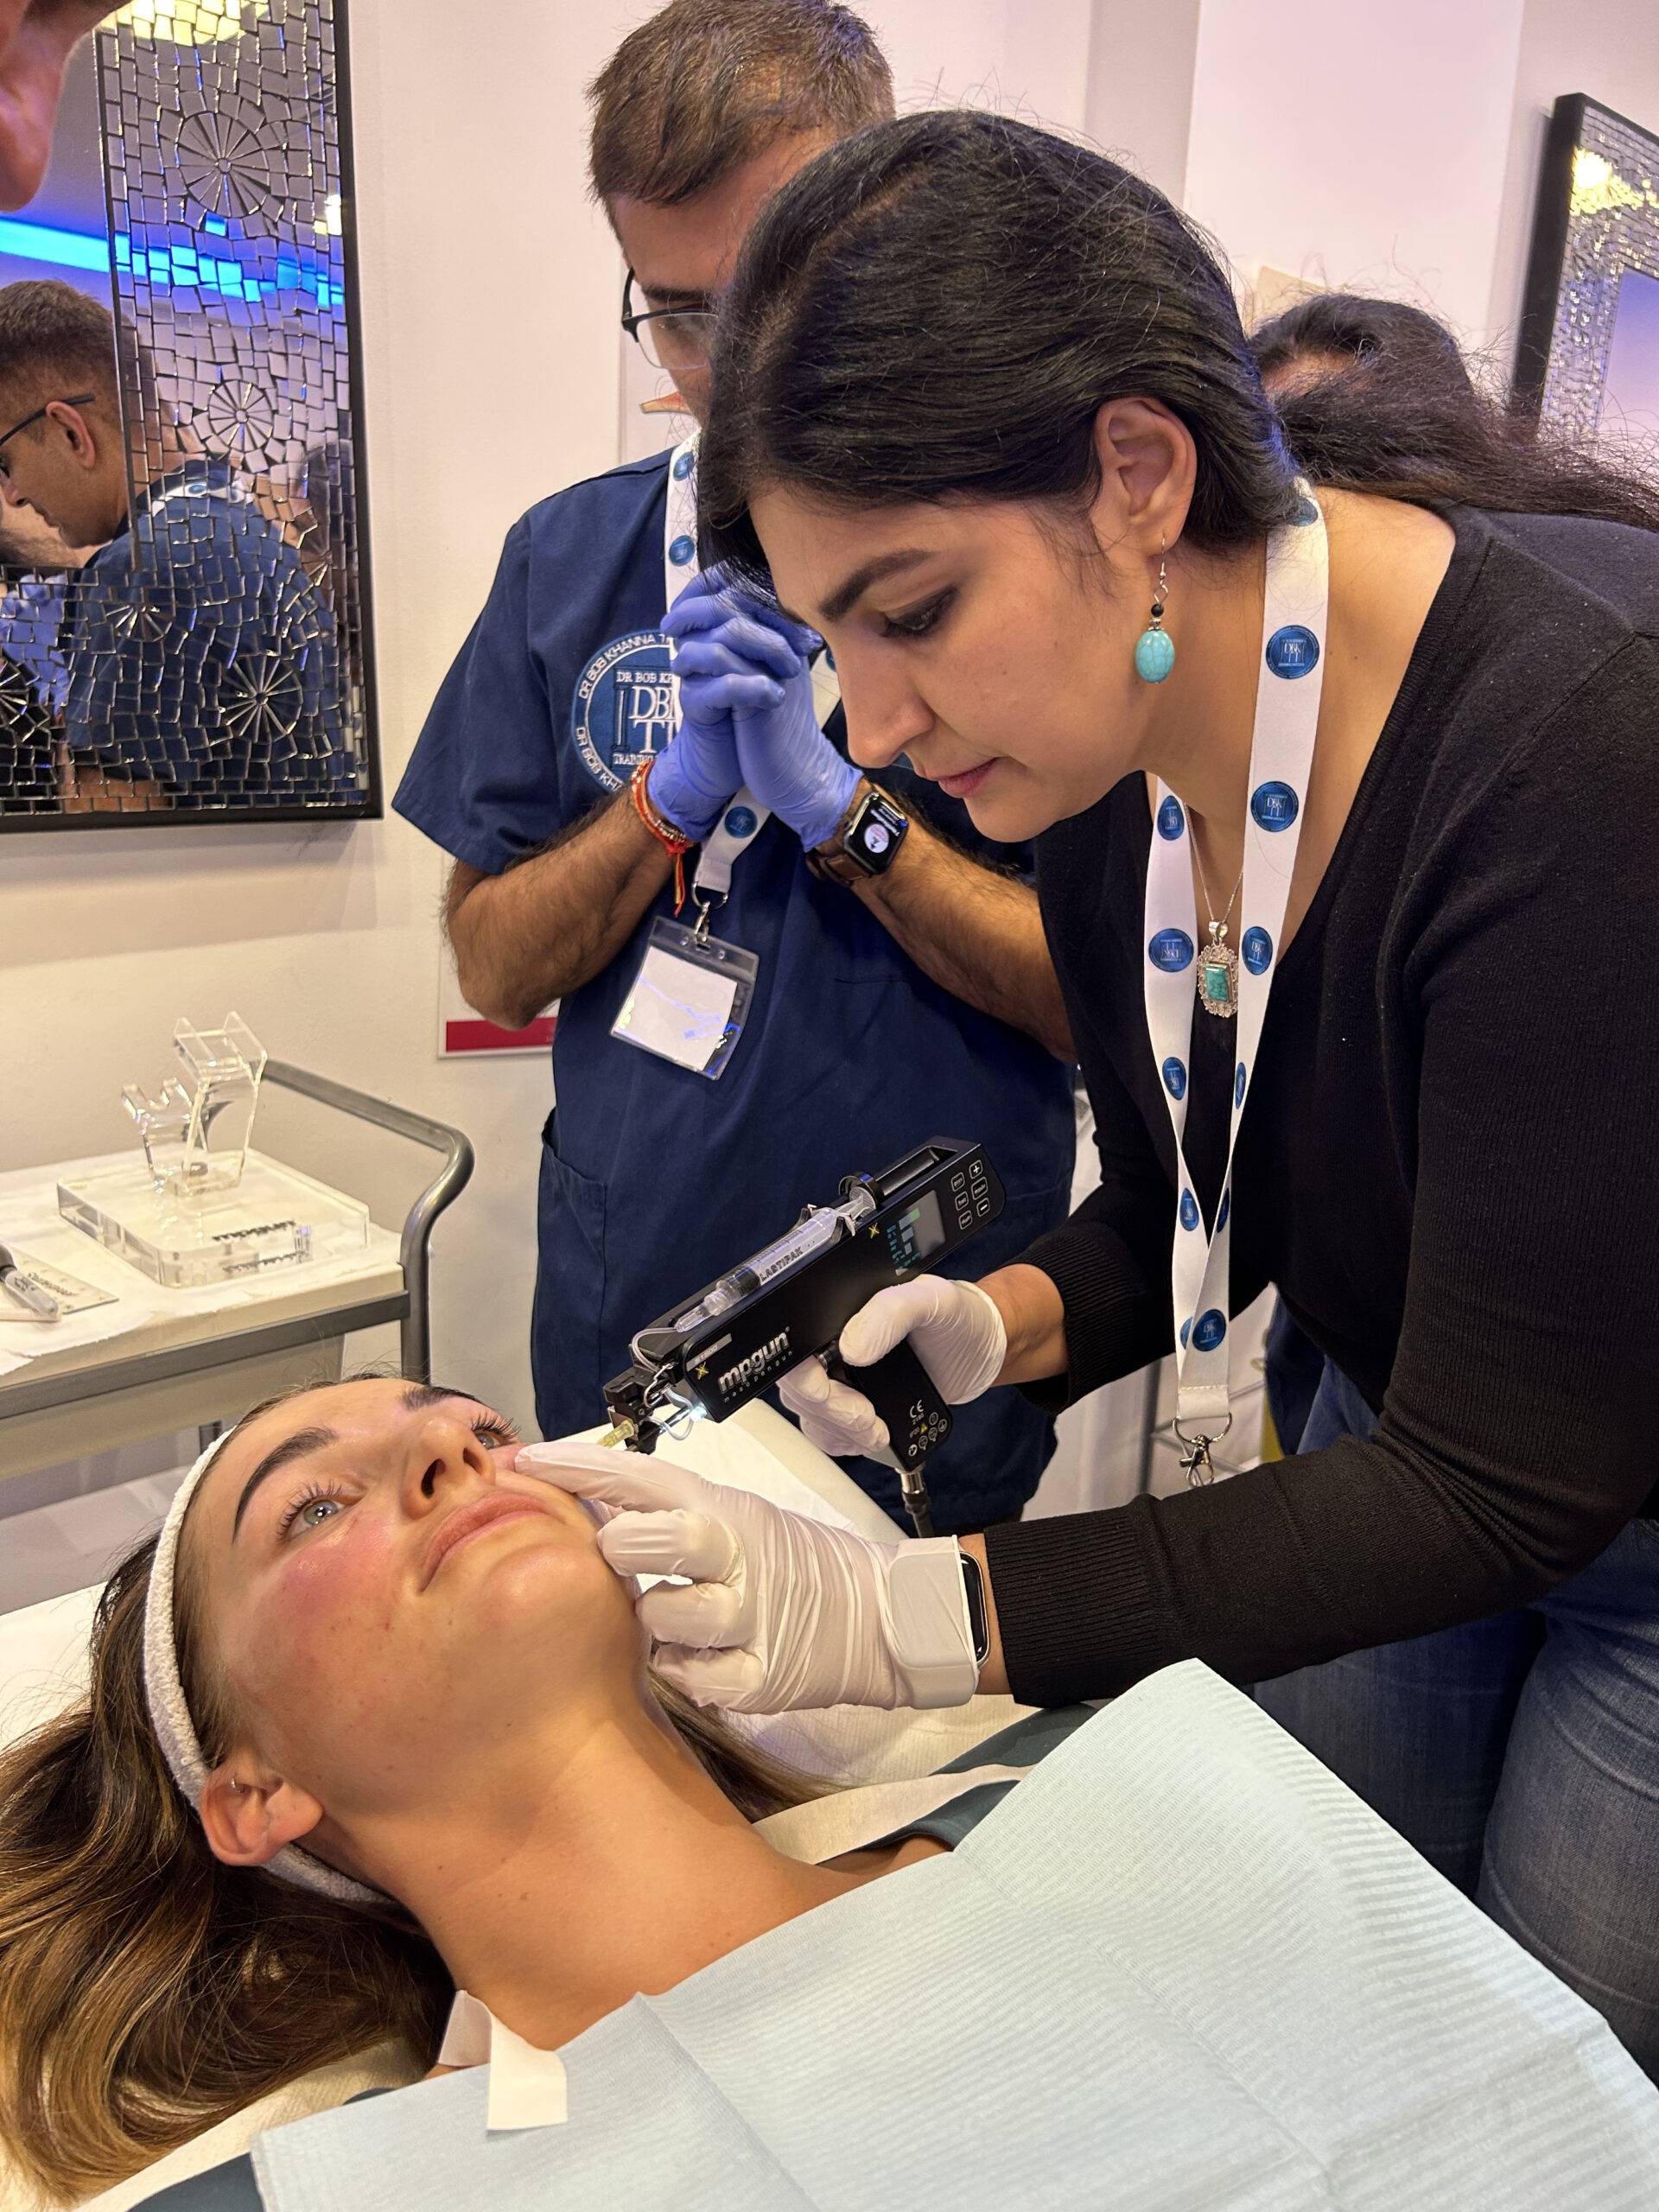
x,y
866,841
979,1627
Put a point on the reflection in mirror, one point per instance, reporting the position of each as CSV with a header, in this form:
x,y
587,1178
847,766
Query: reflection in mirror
x,y
182,607
1587,365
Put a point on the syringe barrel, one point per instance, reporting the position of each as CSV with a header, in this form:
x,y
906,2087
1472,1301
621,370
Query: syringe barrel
x,y
819,1230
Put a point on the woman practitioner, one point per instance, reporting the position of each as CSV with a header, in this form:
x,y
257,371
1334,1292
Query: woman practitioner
x,y
1340,732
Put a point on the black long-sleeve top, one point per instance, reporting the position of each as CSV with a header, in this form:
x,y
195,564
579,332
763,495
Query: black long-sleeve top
x,y
1449,1162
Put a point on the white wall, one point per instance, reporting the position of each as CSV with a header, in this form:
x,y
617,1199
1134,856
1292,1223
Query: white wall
x,y
1358,147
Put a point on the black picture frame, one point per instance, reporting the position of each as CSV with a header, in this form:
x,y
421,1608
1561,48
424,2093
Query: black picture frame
x,y
145,203
1595,221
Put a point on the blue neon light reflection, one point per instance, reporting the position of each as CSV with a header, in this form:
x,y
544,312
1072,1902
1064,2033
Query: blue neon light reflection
x,y
172,268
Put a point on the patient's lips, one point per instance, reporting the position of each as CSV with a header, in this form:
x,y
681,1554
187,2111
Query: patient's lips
x,y
469,1520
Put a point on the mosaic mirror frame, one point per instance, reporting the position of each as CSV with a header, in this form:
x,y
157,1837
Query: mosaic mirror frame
x,y
233,275
1597,221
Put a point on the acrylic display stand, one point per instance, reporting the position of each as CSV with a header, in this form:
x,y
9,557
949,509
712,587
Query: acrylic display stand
x,y
203,1208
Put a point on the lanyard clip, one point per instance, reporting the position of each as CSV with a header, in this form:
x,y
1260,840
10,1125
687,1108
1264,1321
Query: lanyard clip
x,y
707,903
1196,1464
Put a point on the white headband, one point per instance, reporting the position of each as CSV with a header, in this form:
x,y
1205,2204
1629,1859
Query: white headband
x,y
170,1715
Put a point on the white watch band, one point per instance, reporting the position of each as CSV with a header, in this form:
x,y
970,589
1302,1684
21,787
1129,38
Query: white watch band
x,y
929,1630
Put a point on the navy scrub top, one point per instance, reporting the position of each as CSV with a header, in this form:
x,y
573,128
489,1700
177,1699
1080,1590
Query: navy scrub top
x,y
202,658
654,1180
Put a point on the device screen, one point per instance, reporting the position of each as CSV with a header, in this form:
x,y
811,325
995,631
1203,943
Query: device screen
x,y
918,1233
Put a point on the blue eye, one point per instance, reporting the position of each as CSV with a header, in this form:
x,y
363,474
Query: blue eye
x,y
297,1513
918,624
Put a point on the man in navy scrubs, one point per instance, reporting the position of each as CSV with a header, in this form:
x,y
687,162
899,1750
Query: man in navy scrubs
x,y
888,1006
200,662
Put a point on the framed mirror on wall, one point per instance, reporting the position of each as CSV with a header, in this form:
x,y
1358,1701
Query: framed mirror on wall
x,y
1588,362
185,631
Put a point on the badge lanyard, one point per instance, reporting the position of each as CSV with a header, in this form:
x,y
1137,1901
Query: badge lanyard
x,y
1288,686
692,996
744,818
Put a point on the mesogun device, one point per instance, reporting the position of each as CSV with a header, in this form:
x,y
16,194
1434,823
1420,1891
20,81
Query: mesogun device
x,y
712,1353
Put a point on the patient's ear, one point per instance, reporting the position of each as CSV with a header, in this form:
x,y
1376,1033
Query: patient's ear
x,y
249,1812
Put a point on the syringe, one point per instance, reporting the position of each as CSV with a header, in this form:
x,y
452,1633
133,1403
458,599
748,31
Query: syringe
x,y
820,1227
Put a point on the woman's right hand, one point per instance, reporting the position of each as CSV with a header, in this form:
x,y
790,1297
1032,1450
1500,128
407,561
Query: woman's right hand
x,y
956,1330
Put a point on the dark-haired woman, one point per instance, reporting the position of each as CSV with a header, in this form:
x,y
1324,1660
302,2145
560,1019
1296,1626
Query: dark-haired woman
x,y
1338,724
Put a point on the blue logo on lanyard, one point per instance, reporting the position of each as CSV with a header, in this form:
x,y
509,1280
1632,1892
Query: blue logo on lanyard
x,y
1189,1210
739,822
1171,820
1306,512
683,467
1223,1209
1238,1085
1293,650
622,711
1186,1331
1257,949
1209,1330
1174,1079
684,550
1274,806
1172,950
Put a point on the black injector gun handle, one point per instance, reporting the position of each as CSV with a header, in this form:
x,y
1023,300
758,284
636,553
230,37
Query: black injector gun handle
x,y
918,1420
715,1352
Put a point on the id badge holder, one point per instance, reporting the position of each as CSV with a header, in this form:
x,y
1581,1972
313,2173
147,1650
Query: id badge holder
x,y
691,997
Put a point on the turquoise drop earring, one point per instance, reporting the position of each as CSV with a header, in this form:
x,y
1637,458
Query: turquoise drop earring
x,y
1155,649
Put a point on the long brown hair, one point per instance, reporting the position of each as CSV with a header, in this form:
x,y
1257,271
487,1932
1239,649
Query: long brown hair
x,y
147,1990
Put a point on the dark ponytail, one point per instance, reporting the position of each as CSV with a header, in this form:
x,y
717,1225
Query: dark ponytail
x,y
937,308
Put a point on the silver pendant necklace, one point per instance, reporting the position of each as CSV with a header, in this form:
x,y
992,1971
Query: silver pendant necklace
x,y
1217,977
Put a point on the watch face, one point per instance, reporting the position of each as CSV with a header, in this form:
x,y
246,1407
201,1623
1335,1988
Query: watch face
x,y
875,834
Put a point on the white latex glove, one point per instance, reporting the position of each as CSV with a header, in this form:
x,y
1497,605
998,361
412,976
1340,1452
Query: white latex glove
x,y
781,1612
956,1331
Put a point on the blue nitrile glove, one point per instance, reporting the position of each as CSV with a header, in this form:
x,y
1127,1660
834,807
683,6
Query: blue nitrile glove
x,y
739,658
697,772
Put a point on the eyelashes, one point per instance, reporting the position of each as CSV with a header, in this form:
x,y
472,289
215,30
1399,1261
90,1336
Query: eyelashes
x,y
918,625
489,1430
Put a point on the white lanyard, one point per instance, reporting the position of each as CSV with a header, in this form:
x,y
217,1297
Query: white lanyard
x,y
230,492
1282,757
745,817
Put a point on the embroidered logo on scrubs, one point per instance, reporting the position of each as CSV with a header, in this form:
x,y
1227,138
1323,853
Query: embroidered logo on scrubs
x,y
623,709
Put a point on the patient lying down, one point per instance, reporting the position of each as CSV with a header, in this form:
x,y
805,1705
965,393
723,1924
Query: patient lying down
x,y
405,1662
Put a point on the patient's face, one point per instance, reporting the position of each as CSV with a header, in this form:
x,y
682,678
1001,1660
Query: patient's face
x,y
391,1605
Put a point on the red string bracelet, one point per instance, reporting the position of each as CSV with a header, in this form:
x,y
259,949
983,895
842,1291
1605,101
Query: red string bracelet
x,y
663,831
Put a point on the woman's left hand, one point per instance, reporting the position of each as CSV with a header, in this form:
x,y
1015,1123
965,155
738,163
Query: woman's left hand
x,y
780,1612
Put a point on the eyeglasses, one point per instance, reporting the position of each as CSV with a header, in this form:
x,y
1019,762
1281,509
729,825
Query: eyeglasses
x,y
674,338
80,399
